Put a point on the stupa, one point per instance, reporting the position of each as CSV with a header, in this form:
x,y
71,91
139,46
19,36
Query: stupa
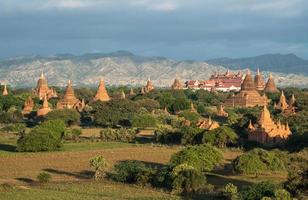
x,y
5,92
43,90
101,93
69,100
248,95
192,108
177,85
286,108
282,105
207,124
122,95
44,109
28,106
220,112
270,86
149,86
259,82
267,131
131,92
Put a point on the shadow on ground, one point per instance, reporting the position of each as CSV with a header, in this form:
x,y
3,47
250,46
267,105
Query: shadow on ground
x,y
7,147
85,174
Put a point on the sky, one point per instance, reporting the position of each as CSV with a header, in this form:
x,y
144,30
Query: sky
x,y
177,29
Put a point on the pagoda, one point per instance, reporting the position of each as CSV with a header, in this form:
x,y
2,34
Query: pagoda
x,y
28,106
5,92
122,95
192,108
266,131
44,109
207,124
248,95
101,93
69,100
131,92
149,86
270,86
259,82
220,112
286,108
43,90
176,85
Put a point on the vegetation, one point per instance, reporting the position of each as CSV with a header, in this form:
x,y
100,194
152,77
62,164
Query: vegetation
x,y
99,164
122,134
68,116
44,177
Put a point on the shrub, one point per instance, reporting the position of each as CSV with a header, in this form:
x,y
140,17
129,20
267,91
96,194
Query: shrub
x,y
186,179
38,140
72,133
132,171
258,191
282,194
99,164
257,161
167,135
56,126
220,136
201,157
122,134
44,177
188,134
193,117
16,128
144,120
230,192
297,183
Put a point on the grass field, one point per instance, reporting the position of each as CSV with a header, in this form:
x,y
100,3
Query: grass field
x,y
71,173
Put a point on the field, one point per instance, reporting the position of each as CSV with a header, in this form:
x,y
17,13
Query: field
x,y
71,174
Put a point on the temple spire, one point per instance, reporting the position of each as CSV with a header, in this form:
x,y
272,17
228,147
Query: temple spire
x,y
5,92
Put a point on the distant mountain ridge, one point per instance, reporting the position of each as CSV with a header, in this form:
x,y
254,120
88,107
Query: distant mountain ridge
x,y
118,68
284,63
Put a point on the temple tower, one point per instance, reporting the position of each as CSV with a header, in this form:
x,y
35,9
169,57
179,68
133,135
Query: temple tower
x,y
282,105
101,94
259,82
43,90
69,100
44,109
270,85
177,85
28,106
149,86
5,92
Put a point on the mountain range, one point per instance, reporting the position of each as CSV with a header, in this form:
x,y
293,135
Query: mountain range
x,y
125,68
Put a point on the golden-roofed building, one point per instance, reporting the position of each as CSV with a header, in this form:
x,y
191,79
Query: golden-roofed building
x,y
28,106
43,90
259,82
266,131
221,112
176,85
101,93
207,124
69,100
248,96
44,109
149,86
270,86
5,92
286,108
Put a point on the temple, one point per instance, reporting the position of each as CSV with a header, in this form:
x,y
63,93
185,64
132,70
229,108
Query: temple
x,y
69,100
192,108
248,96
270,86
207,124
266,131
286,108
131,92
224,82
44,109
5,92
122,95
176,85
259,82
220,112
149,86
28,106
101,93
43,90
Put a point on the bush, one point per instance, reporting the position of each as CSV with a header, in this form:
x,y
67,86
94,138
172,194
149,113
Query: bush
x,y
230,192
99,164
15,128
297,183
201,157
260,190
122,134
167,135
132,171
186,179
44,177
144,121
257,161
38,140
220,136
56,126
188,134
72,133
193,117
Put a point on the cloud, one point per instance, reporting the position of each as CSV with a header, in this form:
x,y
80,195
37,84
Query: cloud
x,y
66,4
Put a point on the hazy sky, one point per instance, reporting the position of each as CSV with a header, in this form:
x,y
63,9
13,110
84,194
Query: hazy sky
x,y
180,29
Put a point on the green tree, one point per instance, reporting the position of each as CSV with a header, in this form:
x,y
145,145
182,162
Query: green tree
x,y
220,136
144,121
68,116
99,164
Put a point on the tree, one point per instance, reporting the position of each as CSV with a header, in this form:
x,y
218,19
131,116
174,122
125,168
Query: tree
x,y
220,136
68,116
144,120
56,126
230,192
201,157
99,164
149,104
193,117
180,104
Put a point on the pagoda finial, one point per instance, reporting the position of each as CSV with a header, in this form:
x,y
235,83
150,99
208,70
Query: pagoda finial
x,y
258,71
45,102
5,92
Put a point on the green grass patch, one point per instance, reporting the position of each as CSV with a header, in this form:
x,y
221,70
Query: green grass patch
x,y
84,191
85,146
